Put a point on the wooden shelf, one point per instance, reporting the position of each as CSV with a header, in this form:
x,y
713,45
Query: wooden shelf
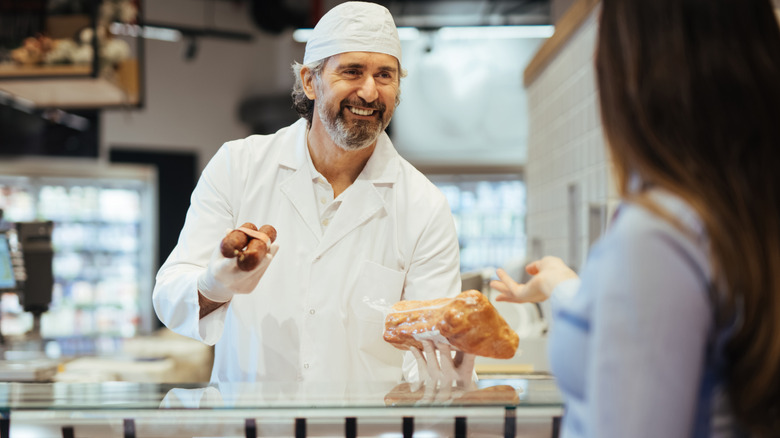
x,y
565,29
38,71
73,88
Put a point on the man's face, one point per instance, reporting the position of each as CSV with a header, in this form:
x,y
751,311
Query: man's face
x,y
356,97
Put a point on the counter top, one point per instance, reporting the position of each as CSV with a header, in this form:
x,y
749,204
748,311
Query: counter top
x,y
520,391
504,406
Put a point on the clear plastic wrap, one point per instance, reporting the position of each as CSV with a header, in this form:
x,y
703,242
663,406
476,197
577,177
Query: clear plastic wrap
x,y
468,322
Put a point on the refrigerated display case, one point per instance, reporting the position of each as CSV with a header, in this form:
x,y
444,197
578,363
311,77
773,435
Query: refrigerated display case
x,y
104,219
512,406
489,212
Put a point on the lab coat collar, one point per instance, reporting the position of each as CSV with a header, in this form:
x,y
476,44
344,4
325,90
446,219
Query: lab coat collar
x,y
294,158
381,168
361,201
297,187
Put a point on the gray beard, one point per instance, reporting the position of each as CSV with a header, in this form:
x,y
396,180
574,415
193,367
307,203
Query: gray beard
x,y
360,135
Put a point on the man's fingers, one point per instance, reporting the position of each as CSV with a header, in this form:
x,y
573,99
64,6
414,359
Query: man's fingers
x,y
431,361
458,360
447,366
445,393
467,362
429,392
465,367
421,365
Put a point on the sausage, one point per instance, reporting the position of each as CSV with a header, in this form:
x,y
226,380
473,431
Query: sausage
x,y
256,249
235,241
269,231
250,257
250,248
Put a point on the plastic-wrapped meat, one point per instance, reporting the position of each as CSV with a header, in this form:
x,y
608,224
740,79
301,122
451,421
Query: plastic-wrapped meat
x,y
468,322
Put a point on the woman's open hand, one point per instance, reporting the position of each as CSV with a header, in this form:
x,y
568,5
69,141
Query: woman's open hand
x,y
547,273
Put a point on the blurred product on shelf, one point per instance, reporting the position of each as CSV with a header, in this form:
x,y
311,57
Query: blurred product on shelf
x,y
489,212
102,237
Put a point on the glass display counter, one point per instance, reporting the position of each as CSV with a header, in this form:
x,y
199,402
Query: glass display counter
x,y
524,406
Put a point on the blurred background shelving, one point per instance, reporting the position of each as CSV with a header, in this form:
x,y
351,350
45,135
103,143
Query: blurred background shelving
x,y
103,236
489,213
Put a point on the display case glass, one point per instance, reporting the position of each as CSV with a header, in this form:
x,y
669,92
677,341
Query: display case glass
x,y
102,238
502,406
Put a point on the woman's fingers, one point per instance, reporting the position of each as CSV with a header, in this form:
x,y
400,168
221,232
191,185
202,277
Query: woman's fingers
x,y
509,289
510,283
500,286
515,293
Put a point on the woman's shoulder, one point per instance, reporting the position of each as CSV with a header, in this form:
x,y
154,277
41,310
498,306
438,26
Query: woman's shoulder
x,y
662,213
670,230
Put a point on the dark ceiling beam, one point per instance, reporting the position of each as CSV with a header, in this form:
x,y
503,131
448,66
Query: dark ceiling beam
x,y
201,32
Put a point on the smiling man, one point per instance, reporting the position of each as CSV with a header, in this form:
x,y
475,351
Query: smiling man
x,y
358,227
369,80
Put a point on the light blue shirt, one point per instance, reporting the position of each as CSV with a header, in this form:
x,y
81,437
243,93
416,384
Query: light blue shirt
x,y
633,344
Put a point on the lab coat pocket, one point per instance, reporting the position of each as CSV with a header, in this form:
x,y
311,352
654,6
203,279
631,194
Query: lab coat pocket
x,y
377,288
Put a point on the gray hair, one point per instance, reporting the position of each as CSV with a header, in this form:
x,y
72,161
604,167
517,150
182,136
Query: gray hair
x,y
305,106
301,102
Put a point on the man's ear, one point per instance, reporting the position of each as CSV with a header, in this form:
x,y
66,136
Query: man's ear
x,y
307,79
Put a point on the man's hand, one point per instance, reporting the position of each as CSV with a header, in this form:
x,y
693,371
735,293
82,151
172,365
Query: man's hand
x,y
547,272
443,372
222,278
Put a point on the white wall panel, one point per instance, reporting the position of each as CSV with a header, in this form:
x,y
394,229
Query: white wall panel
x,y
565,148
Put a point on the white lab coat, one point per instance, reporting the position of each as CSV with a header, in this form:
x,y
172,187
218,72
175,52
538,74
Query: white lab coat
x,y
311,317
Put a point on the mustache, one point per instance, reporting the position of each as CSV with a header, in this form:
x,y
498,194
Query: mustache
x,y
361,103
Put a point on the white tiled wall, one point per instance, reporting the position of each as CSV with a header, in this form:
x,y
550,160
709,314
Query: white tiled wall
x,y
566,149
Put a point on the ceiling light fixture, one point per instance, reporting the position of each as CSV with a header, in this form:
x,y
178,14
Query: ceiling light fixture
x,y
495,32
404,34
149,32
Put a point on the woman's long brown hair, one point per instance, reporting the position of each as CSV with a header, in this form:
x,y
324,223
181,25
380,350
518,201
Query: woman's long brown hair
x,y
690,102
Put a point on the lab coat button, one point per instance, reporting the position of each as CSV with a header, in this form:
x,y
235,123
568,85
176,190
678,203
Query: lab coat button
x,y
312,311
306,366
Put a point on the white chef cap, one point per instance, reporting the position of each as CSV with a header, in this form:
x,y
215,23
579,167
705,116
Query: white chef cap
x,y
353,27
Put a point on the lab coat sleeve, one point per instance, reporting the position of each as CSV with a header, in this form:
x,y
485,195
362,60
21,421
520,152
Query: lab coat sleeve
x,y
434,269
175,295
649,329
